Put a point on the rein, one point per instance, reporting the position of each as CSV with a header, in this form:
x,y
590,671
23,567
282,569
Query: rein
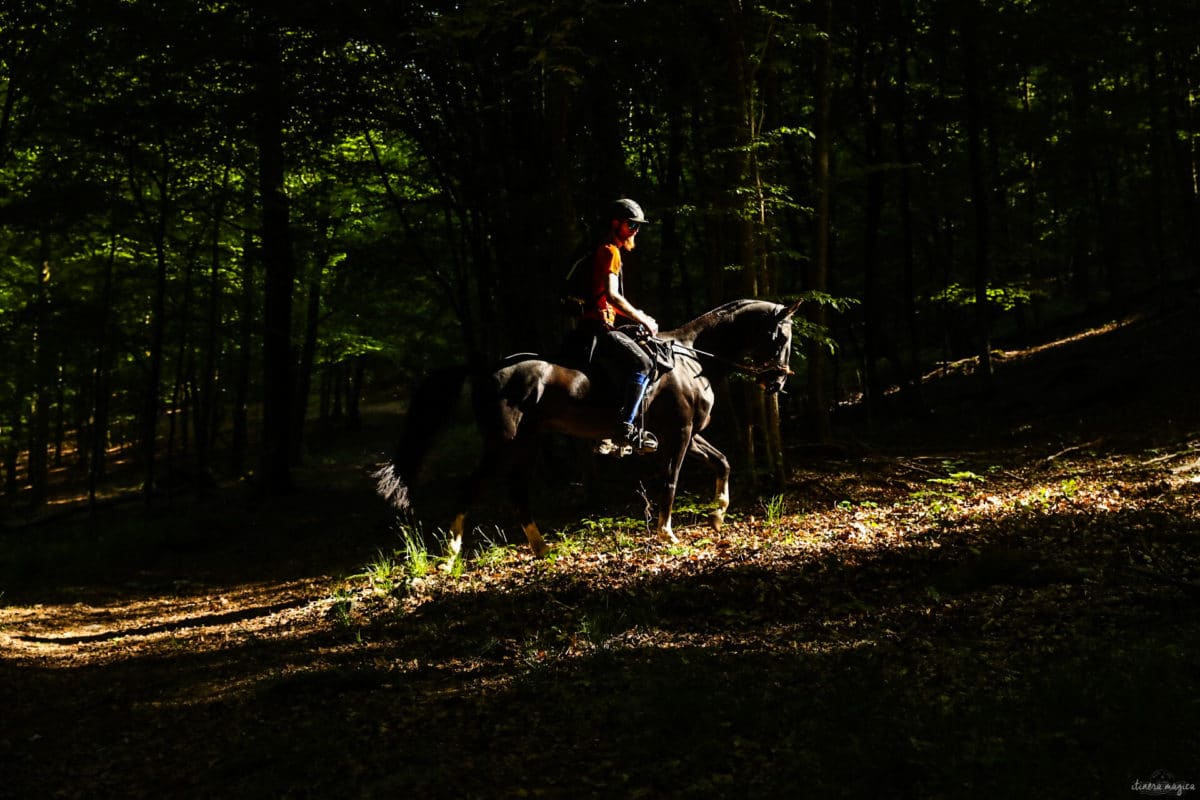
x,y
749,369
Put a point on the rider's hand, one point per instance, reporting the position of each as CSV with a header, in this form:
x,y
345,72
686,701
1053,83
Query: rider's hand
x,y
650,324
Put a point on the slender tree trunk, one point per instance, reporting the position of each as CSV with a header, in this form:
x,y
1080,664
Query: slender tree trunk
x,y
1179,116
975,83
184,369
818,278
278,383
354,396
678,301
102,380
751,221
39,432
239,434
1159,136
908,254
308,353
12,451
1081,170
206,400
339,387
1192,177
156,221
60,413
874,309
558,122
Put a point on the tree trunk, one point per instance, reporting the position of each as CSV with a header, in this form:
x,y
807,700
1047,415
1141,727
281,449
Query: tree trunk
x,y
206,400
102,381
874,309
818,274
240,434
12,452
354,396
155,220
909,299
184,376
308,354
979,195
278,384
39,432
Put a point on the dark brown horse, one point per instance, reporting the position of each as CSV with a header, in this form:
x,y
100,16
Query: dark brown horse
x,y
526,395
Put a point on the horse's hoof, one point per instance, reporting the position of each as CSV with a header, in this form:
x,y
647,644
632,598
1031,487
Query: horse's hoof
x,y
716,521
541,551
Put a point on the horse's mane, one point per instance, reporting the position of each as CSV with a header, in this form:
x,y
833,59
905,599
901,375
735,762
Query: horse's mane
x,y
709,318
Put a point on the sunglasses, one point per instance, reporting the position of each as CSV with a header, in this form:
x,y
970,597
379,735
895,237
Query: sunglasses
x,y
633,226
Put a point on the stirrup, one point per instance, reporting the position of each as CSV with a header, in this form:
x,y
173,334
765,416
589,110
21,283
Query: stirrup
x,y
646,443
640,440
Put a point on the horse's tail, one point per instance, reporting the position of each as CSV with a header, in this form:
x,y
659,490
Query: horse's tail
x,y
432,405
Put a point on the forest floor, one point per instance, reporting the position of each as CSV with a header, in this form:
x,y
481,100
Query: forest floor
x,y
998,600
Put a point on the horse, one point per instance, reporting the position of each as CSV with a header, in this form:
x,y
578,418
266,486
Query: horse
x,y
525,395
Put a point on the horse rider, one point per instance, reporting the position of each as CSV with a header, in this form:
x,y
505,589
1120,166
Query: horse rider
x,y
626,362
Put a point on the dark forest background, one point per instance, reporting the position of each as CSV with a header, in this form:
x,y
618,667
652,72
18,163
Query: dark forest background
x,y
219,220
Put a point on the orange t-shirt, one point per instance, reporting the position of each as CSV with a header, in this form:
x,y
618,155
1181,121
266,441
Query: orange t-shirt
x,y
607,261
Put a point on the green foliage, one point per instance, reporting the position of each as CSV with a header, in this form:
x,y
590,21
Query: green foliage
x,y
492,553
395,573
947,493
621,533
343,608
807,331
1005,298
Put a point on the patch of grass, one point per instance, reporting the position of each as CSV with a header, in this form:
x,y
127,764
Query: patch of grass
x,y
600,626
567,545
417,560
688,509
622,533
383,573
491,552
393,573
947,495
681,549
343,607
774,508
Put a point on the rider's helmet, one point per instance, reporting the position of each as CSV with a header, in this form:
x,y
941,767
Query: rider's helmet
x,y
626,209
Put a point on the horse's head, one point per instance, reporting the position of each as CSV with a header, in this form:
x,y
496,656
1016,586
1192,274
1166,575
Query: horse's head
x,y
773,355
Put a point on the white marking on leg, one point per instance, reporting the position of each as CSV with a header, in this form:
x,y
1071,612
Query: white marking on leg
x,y
536,542
454,544
664,527
718,516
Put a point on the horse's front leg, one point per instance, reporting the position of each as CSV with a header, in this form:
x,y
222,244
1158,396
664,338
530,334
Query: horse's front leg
x,y
671,481
716,460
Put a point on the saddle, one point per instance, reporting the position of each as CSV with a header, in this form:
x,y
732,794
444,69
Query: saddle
x,y
579,349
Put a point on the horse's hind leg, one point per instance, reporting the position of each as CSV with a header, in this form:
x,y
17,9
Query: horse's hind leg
x,y
493,457
720,465
518,484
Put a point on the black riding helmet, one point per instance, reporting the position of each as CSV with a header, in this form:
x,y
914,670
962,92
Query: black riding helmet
x,y
627,209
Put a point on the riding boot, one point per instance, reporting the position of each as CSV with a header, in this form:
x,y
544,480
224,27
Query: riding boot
x,y
635,392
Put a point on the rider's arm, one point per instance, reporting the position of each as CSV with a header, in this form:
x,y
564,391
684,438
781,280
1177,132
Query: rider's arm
x,y
626,308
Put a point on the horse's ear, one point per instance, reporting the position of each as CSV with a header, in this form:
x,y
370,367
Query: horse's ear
x,y
788,311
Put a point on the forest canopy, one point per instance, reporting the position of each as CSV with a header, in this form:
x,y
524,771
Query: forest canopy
x,y
219,220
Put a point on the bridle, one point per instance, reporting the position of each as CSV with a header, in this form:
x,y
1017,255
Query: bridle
x,y
759,371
